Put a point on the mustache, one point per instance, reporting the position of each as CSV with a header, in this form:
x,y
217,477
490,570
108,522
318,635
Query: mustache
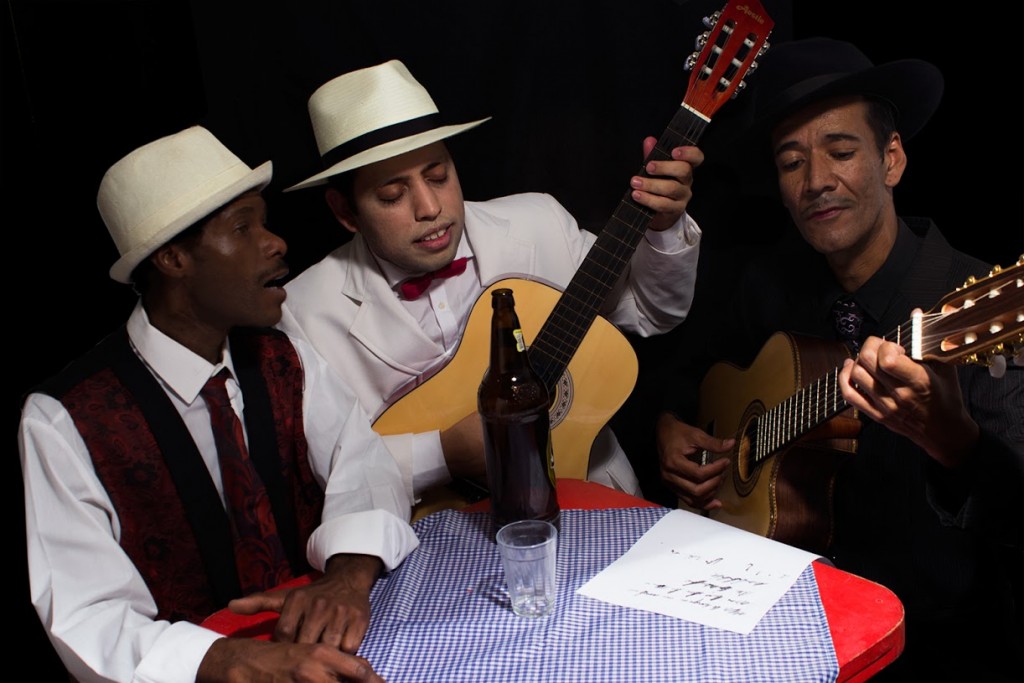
x,y
824,203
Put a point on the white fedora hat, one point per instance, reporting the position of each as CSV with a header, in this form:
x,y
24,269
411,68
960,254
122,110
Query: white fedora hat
x,y
167,185
370,115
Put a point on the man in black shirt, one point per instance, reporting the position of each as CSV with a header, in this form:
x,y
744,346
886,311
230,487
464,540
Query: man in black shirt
x,y
930,503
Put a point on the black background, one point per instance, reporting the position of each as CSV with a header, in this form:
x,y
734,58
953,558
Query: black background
x,y
573,87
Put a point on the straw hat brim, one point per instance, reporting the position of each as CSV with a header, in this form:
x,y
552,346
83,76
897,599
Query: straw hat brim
x,y
387,150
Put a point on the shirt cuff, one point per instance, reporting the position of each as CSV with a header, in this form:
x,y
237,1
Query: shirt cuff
x,y
370,532
684,234
176,655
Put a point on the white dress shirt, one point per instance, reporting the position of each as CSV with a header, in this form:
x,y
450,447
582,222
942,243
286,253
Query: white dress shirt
x,y
88,594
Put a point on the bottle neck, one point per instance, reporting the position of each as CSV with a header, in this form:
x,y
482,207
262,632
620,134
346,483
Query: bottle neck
x,y
508,350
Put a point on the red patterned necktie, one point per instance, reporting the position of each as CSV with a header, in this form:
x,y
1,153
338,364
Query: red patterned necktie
x,y
414,287
259,553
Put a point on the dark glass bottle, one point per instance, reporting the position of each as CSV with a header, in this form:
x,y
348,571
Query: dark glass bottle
x,y
513,405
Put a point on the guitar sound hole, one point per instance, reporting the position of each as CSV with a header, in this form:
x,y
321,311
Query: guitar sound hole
x,y
746,469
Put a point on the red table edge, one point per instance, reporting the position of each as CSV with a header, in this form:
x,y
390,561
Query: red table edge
x,y
860,654
876,607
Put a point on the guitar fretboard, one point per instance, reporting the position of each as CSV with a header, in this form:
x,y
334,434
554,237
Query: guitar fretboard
x,y
819,401
809,407
567,325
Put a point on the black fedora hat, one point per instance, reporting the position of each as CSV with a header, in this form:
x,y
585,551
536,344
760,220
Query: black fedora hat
x,y
794,74
797,73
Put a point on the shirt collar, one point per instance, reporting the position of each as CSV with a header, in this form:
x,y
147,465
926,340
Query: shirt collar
x,y
875,294
180,369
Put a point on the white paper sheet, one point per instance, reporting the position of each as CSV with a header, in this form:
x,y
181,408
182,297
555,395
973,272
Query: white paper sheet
x,y
692,567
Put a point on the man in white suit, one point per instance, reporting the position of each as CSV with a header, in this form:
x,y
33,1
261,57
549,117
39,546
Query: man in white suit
x,y
391,181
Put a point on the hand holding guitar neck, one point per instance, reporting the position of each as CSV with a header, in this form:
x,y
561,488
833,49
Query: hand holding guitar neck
x,y
979,323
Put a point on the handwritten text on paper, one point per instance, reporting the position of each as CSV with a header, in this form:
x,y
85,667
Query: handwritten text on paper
x,y
695,568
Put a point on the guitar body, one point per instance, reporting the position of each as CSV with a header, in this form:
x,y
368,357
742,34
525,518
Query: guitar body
x,y
598,380
788,496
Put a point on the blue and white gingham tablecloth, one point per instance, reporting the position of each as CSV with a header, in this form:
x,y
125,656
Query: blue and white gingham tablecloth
x,y
444,616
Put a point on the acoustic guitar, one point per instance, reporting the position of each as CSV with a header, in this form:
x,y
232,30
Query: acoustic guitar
x,y
793,427
587,365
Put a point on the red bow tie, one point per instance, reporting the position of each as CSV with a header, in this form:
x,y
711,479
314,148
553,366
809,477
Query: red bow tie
x,y
414,287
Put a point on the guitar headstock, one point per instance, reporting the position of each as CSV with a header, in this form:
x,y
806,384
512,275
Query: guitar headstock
x,y
737,36
981,322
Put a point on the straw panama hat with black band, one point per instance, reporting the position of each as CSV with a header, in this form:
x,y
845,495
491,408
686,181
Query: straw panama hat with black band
x,y
370,115
160,189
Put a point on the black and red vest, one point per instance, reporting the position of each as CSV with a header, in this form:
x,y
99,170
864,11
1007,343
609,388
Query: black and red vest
x,y
173,523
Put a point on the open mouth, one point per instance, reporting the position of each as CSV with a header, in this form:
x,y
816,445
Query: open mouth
x,y
434,236
277,279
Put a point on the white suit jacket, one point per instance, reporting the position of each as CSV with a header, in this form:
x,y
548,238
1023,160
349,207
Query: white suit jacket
x,y
345,308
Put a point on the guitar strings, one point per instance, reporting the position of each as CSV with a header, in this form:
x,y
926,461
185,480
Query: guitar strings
x,y
930,321
587,290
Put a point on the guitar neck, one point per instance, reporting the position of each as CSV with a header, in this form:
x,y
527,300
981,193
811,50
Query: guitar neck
x,y
802,412
564,330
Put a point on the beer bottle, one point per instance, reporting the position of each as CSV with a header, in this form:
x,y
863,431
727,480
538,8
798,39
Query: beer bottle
x,y
513,406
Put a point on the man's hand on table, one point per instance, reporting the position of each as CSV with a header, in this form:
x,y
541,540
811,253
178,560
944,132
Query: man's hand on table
x,y
247,659
333,610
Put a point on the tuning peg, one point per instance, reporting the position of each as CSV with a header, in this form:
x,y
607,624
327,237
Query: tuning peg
x,y
740,87
713,19
997,366
691,61
702,40
764,48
